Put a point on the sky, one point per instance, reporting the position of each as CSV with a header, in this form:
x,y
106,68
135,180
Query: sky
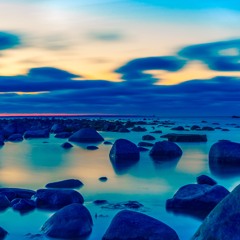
x,y
141,57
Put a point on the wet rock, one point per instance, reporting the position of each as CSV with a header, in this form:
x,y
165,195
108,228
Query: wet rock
x,y
174,137
196,199
139,129
4,202
145,144
56,199
123,130
206,128
63,135
103,179
143,149
125,205
3,233
124,150
195,127
165,150
179,128
57,128
204,179
72,221
107,143
86,135
36,134
68,183
128,225
222,223
157,131
100,202
225,152
66,145
92,147
12,193
23,205
17,137
148,138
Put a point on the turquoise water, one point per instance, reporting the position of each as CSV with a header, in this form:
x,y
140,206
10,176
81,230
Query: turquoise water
x,y
33,163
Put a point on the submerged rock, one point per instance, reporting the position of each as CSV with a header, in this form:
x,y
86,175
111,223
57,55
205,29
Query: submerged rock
x,y
129,225
165,150
223,221
175,137
72,221
103,179
66,145
68,183
56,199
86,135
124,205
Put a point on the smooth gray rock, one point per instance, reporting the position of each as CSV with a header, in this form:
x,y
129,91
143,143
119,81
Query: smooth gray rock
x,y
72,221
129,225
68,183
223,221
86,135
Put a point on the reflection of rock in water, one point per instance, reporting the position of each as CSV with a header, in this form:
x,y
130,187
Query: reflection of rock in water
x,y
122,168
166,163
224,171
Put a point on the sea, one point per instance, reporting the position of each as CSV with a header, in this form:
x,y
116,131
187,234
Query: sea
x,y
31,164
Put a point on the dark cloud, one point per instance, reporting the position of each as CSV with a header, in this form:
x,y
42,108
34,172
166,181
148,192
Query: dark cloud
x,y
219,56
8,40
135,69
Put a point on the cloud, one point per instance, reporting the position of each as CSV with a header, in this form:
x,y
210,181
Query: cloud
x,y
106,36
135,69
8,40
218,56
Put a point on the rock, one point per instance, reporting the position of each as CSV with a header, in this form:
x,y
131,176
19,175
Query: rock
x,y
17,137
57,128
103,179
179,128
165,150
68,183
129,225
157,131
148,138
223,221
124,150
23,205
174,137
86,135
92,147
72,221
1,143
143,149
36,134
56,199
204,179
123,130
145,144
196,199
107,143
206,128
12,193
3,233
66,145
139,129
195,127
100,202
4,202
225,152
63,135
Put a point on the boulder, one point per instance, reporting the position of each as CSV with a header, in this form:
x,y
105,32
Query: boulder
x,y
22,205
179,128
148,138
129,225
107,143
86,135
17,137
63,135
225,152
204,179
165,150
43,133
103,179
4,202
92,147
12,193
3,233
57,128
66,145
196,199
222,223
56,199
174,137
139,129
123,130
72,221
124,151
68,183
206,128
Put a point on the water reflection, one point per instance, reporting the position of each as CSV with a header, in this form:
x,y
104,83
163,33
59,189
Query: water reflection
x,y
121,168
166,164
224,171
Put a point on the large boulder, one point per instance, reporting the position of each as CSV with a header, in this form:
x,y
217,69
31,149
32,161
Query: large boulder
x,y
72,221
225,152
42,133
68,183
56,199
165,150
86,135
223,221
175,137
23,205
12,193
196,199
129,225
124,151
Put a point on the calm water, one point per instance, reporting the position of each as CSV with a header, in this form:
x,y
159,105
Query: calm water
x,y
33,163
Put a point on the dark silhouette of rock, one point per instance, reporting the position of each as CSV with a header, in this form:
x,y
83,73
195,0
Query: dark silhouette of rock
x,y
225,152
12,193
63,135
157,131
124,205
196,199
204,179
179,128
103,179
3,233
175,137
165,150
143,149
148,138
123,130
72,221
17,137
139,129
128,225
1,143
100,202
145,144
92,147
86,135
23,205
222,223
68,183
36,134
207,128
56,199
124,151
4,202
107,143
57,128
195,127
66,145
